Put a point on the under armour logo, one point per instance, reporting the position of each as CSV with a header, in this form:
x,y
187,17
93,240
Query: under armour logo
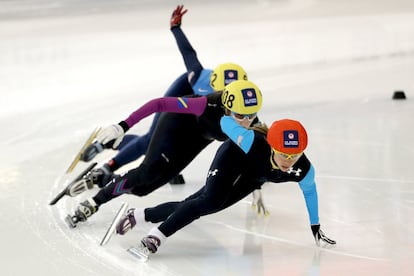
x,y
212,173
296,172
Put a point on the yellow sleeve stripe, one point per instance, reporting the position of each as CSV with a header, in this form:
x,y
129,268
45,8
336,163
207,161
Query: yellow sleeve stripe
x,y
184,104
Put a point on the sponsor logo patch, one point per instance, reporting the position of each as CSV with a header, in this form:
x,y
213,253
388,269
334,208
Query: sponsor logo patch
x,y
229,76
249,97
290,139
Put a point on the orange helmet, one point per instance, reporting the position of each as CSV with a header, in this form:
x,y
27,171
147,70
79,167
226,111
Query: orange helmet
x,y
287,136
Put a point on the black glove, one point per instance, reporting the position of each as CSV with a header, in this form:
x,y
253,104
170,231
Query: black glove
x,y
176,16
318,234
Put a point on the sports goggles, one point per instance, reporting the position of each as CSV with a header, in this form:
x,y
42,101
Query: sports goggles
x,y
286,156
241,117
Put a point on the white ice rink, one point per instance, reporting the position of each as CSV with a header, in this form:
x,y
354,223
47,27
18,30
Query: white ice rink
x,y
69,66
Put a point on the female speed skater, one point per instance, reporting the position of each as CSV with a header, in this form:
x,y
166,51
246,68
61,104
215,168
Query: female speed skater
x,y
197,80
242,164
186,126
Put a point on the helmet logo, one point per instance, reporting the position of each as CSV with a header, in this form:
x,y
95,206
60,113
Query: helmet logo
x,y
249,97
290,139
242,97
229,76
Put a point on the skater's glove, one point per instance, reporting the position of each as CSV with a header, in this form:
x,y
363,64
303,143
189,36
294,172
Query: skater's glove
x,y
258,204
177,16
319,235
112,133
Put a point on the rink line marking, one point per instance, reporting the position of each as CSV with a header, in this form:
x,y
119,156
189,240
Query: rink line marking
x,y
365,178
89,250
47,242
296,243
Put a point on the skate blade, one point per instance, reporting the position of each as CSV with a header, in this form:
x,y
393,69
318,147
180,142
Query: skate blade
x,y
117,218
70,222
89,141
66,189
138,253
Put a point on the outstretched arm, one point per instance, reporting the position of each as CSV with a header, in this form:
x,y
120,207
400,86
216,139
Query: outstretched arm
x,y
194,106
116,132
308,186
187,51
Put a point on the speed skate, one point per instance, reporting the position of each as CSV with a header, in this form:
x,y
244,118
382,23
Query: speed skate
x,y
87,143
66,190
140,252
112,226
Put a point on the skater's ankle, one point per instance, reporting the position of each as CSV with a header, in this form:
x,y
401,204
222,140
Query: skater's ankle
x,y
96,201
92,202
139,214
158,234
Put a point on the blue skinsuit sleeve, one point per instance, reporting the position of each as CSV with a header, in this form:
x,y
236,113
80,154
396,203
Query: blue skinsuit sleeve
x,y
241,136
198,77
308,187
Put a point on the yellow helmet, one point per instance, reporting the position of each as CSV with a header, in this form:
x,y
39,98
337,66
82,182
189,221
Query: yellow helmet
x,y
226,73
242,97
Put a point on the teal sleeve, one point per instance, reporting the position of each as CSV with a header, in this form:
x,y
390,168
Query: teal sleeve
x,y
241,136
308,187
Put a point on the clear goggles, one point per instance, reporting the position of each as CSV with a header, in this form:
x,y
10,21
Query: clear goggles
x,y
241,117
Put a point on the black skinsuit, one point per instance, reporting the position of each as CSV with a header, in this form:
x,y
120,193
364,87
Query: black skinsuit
x,y
232,176
177,140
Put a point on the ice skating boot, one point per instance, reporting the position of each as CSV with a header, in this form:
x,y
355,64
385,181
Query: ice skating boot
x,y
152,243
99,177
91,151
149,245
74,187
82,213
126,223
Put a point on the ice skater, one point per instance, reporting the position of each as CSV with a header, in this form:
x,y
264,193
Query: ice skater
x,y
240,166
197,80
177,139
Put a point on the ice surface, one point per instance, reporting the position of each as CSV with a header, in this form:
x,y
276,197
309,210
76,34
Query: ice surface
x,y
69,66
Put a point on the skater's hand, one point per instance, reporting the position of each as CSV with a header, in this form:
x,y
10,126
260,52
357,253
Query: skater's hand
x,y
319,235
177,16
258,204
113,133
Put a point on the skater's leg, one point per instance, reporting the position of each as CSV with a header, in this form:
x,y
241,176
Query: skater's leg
x,y
155,214
131,151
172,148
138,145
223,174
